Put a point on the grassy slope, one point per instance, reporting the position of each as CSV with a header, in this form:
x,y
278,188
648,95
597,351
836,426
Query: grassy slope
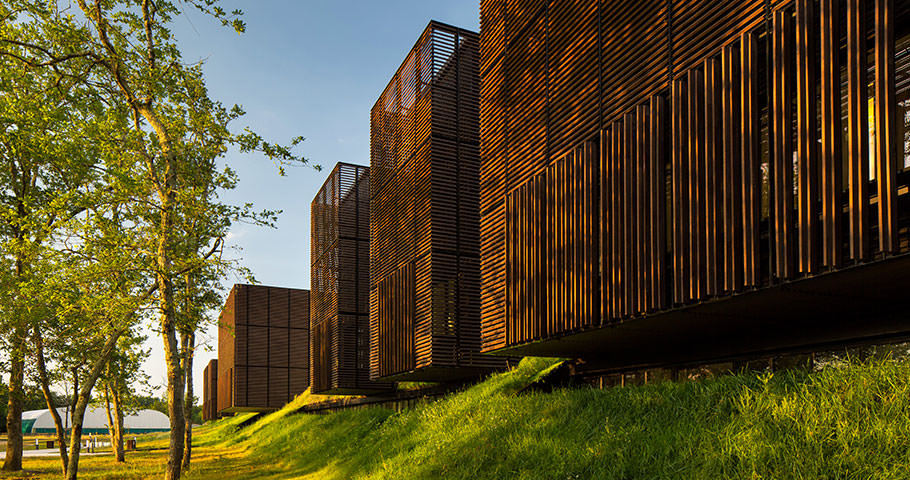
x,y
848,422
851,422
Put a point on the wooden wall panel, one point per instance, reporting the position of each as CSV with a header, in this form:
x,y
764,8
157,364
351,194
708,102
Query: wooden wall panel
x,y
227,351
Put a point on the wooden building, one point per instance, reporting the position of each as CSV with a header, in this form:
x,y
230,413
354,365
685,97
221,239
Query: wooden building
x,y
681,180
424,251
340,285
263,348
210,391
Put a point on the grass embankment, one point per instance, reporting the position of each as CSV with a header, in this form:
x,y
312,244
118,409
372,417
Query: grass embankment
x,y
851,421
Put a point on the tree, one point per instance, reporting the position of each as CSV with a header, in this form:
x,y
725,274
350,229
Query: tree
x,y
124,50
42,167
123,374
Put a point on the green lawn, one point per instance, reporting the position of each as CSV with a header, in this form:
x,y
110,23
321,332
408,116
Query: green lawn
x,y
844,422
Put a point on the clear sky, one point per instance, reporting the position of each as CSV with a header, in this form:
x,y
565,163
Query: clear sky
x,y
311,68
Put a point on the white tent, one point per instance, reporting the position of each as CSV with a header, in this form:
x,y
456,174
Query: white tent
x,y
143,421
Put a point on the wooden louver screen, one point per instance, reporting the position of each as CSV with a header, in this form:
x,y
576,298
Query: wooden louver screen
x,y
339,324
551,242
424,160
773,147
391,324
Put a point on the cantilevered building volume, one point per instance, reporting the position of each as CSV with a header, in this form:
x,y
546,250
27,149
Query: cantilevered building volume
x,y
424,265
340,285
683,180
263,348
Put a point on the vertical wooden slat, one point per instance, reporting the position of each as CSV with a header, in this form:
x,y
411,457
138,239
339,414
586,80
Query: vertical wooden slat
x,y
606,219
857,131
807,145
592,161
518,266
885,134
618,226
732,169
510,265
712,177
572,239
547,212
551,215
628,170
577,238
590,238
526,330
782,171
697,181
541,256
750,134
534,330
583,236
555,258
642,211
680,195
658,203
565,249
831,159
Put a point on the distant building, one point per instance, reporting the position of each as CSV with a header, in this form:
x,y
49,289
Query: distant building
x,y
263,348
95,421
210,391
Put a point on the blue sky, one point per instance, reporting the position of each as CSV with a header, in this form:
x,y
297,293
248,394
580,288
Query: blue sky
x,y
310,68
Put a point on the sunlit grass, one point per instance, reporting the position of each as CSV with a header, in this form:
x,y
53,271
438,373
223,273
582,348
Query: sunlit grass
x,y
844,422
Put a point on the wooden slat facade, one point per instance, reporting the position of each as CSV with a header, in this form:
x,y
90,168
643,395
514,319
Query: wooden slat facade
x,y
340,285
424,218
263,348
646,158
210,391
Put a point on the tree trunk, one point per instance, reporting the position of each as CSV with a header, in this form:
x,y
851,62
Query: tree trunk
x,y
189,341
110,418
167,195
45,388
72,470
112,394
78,416
13,460
117,444
175,376
175,400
